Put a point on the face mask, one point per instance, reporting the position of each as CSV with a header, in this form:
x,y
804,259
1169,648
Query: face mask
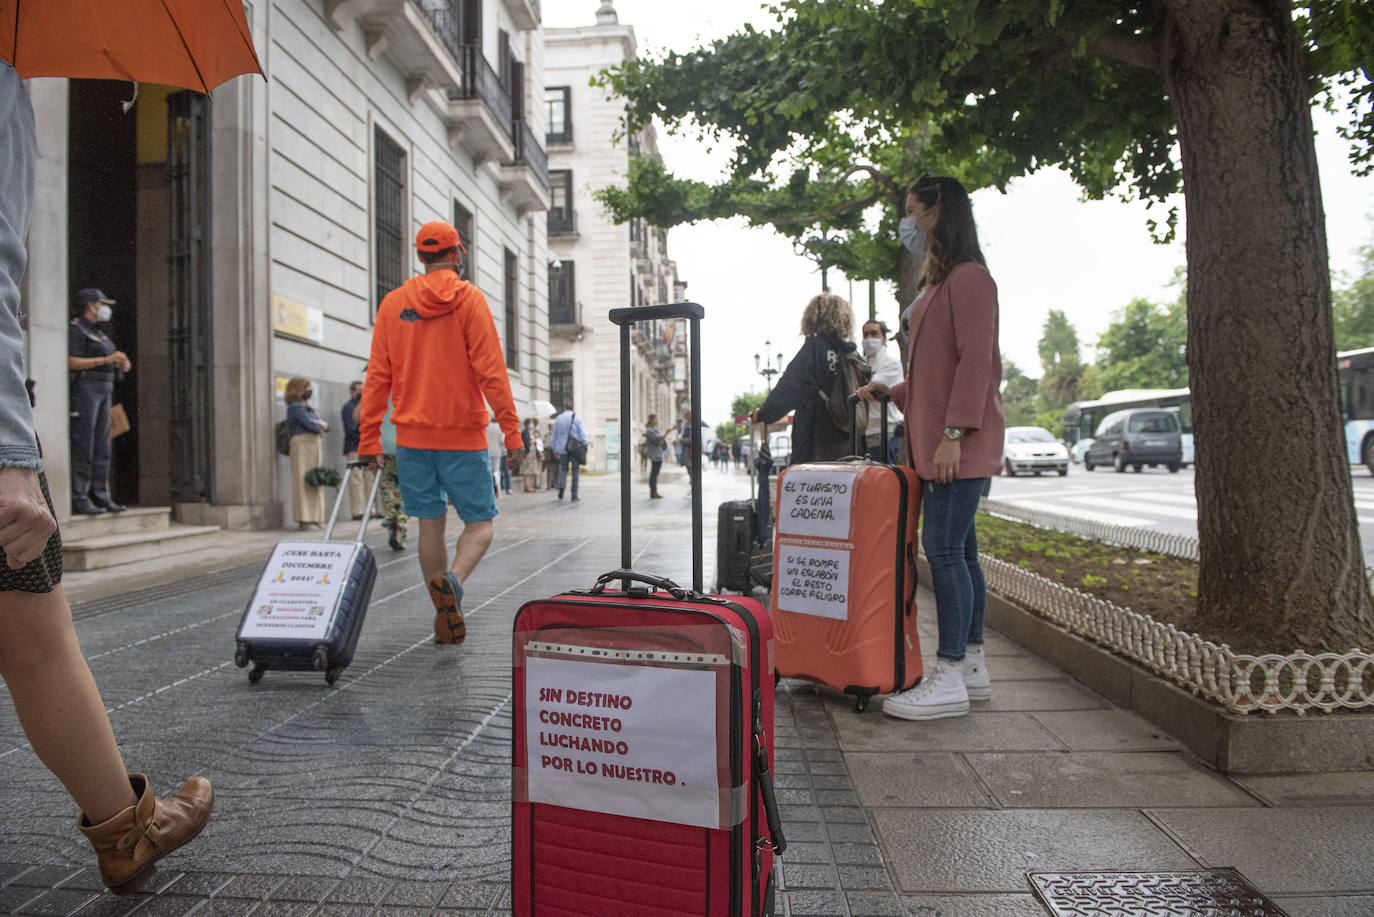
x,y
103,313
872,346
913,238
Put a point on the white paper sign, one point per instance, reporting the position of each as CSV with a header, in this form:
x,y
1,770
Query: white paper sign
x,y
623,739
298,591
813,581
816,503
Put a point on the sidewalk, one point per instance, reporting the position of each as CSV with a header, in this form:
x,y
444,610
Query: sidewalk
x,y
389,793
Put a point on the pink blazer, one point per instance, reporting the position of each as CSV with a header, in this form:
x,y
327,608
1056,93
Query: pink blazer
x,y
954,373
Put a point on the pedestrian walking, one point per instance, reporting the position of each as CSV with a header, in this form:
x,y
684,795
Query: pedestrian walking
x,y
50,684
437,357
887,369
569,443
93,361
534,447
359,485
953,413
654,446
827,324
307,451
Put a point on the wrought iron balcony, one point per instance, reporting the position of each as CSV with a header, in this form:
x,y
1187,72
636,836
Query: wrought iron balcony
x,y
525,178
562,222
480,118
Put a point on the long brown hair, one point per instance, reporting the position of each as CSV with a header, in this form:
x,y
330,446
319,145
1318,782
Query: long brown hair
x,y
954,238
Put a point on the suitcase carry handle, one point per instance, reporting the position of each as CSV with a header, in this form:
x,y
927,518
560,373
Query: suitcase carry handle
x,y
770,799
628,576
626,317
338,500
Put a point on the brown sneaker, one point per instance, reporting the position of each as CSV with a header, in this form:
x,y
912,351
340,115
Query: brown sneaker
x,y
447,595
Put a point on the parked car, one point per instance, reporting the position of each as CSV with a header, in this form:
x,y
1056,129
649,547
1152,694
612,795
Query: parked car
x,y
780,448
1135,438
1033,449
1077,449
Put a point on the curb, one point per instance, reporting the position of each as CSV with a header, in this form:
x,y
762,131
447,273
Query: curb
x,y
1242,745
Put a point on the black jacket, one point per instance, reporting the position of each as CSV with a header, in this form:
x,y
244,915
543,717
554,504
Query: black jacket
x,y
812,371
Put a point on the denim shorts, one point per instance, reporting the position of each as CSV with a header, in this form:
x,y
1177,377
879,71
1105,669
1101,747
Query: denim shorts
x,y
428,476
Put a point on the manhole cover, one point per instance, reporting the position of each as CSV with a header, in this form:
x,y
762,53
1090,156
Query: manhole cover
x,y
1205,893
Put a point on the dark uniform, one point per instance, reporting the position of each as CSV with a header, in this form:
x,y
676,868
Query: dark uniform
x,y
92,392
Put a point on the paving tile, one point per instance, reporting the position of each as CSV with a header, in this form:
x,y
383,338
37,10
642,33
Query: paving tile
x,y
904,779
800,875
976,732
1010,696
113,905
1342,906
170,905
935,850
1091,779
874,904
854,854
1024,667
1105,730
59,901
864,878
816,903
1306,790
972,905
1282,851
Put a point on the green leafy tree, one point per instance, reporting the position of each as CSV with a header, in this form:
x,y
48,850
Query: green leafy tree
x,y
747,403
1144,347
1019,395
731,433
1135,99
1060,362
1353,307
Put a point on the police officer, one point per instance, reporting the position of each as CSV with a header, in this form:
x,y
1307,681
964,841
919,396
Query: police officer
x,y
93,360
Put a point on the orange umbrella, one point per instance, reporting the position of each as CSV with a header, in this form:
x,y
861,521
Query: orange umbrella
x,y
195,44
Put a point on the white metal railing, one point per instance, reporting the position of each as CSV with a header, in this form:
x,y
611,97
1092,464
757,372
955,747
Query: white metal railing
x,y
1122,535
1242,684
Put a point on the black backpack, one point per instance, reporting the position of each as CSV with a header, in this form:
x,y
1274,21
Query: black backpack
x,y
852,372
283,438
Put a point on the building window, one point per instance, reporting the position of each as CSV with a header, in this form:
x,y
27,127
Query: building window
x,y
561,202
558,102
561,383
512,313
462,221
562,293
388,214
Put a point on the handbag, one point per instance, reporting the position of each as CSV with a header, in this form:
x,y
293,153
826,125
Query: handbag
x,y
119,421
578,450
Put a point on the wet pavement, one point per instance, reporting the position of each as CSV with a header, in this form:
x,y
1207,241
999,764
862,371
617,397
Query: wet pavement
x,y
388,793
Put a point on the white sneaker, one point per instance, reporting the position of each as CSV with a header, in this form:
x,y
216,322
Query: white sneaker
x,y
940,694
976,679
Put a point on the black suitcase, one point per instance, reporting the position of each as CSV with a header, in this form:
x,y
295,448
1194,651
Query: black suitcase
x,y
742,560
308,608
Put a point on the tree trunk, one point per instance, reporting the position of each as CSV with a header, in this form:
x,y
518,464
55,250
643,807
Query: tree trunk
x,y
1280,547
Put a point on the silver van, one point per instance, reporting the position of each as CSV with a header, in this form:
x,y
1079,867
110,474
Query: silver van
x,y
1137,437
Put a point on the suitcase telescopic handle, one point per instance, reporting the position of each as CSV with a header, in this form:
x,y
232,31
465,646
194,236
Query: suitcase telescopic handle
x,y
855,433
625,317
338,500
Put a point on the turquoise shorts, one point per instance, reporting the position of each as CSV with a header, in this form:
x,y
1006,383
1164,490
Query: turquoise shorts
x,y
428,475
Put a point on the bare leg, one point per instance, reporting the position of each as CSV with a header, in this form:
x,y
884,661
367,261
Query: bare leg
x,y
58,702
433,553
473,542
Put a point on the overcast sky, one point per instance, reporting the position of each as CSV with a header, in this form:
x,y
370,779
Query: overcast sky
x,y
753,286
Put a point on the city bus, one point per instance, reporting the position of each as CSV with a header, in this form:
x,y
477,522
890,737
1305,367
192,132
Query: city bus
x,y
1082,417
1356,368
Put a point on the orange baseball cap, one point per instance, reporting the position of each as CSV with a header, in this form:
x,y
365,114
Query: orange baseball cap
x,y
436,235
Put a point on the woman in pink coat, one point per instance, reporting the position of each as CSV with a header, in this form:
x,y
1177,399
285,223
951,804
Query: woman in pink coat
x,y
953,410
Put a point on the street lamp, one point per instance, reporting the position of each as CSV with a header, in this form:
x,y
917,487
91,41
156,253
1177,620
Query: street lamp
x,y
768,370
815,250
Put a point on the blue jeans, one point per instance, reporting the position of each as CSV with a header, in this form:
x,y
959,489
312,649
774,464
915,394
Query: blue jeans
x,y
566,461
951,545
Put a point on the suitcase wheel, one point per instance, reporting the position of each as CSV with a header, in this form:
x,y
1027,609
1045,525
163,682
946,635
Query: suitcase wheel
x,y
321,658
255,674
861,703
332,675
241,655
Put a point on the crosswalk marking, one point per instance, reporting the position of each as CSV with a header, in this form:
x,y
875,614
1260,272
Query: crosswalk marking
x,y
1152,507
1106,518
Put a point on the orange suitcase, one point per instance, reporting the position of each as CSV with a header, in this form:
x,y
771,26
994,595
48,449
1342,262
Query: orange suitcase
x,y
844,576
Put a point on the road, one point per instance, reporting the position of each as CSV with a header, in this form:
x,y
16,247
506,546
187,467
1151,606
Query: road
x,y
1153,499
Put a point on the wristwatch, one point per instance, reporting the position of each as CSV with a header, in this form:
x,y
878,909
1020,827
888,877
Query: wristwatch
x,y
954,434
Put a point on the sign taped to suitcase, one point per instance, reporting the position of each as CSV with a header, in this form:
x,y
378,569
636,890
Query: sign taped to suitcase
x,y
299,590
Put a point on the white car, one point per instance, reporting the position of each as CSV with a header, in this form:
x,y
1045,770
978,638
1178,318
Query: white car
x,y
1033,449
1080,447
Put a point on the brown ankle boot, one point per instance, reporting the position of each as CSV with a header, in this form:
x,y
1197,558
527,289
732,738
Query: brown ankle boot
x,y
128,843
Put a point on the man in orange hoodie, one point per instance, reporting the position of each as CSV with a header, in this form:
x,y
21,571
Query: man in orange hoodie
x,y
436,355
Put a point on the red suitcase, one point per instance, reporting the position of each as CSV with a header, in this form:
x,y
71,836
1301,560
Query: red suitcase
x,y
643,733
844,576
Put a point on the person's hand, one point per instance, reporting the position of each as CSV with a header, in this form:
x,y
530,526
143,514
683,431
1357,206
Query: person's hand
x,y
374,462
26,524
324,426
946,460
514,457
754,416
865,392
121,360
